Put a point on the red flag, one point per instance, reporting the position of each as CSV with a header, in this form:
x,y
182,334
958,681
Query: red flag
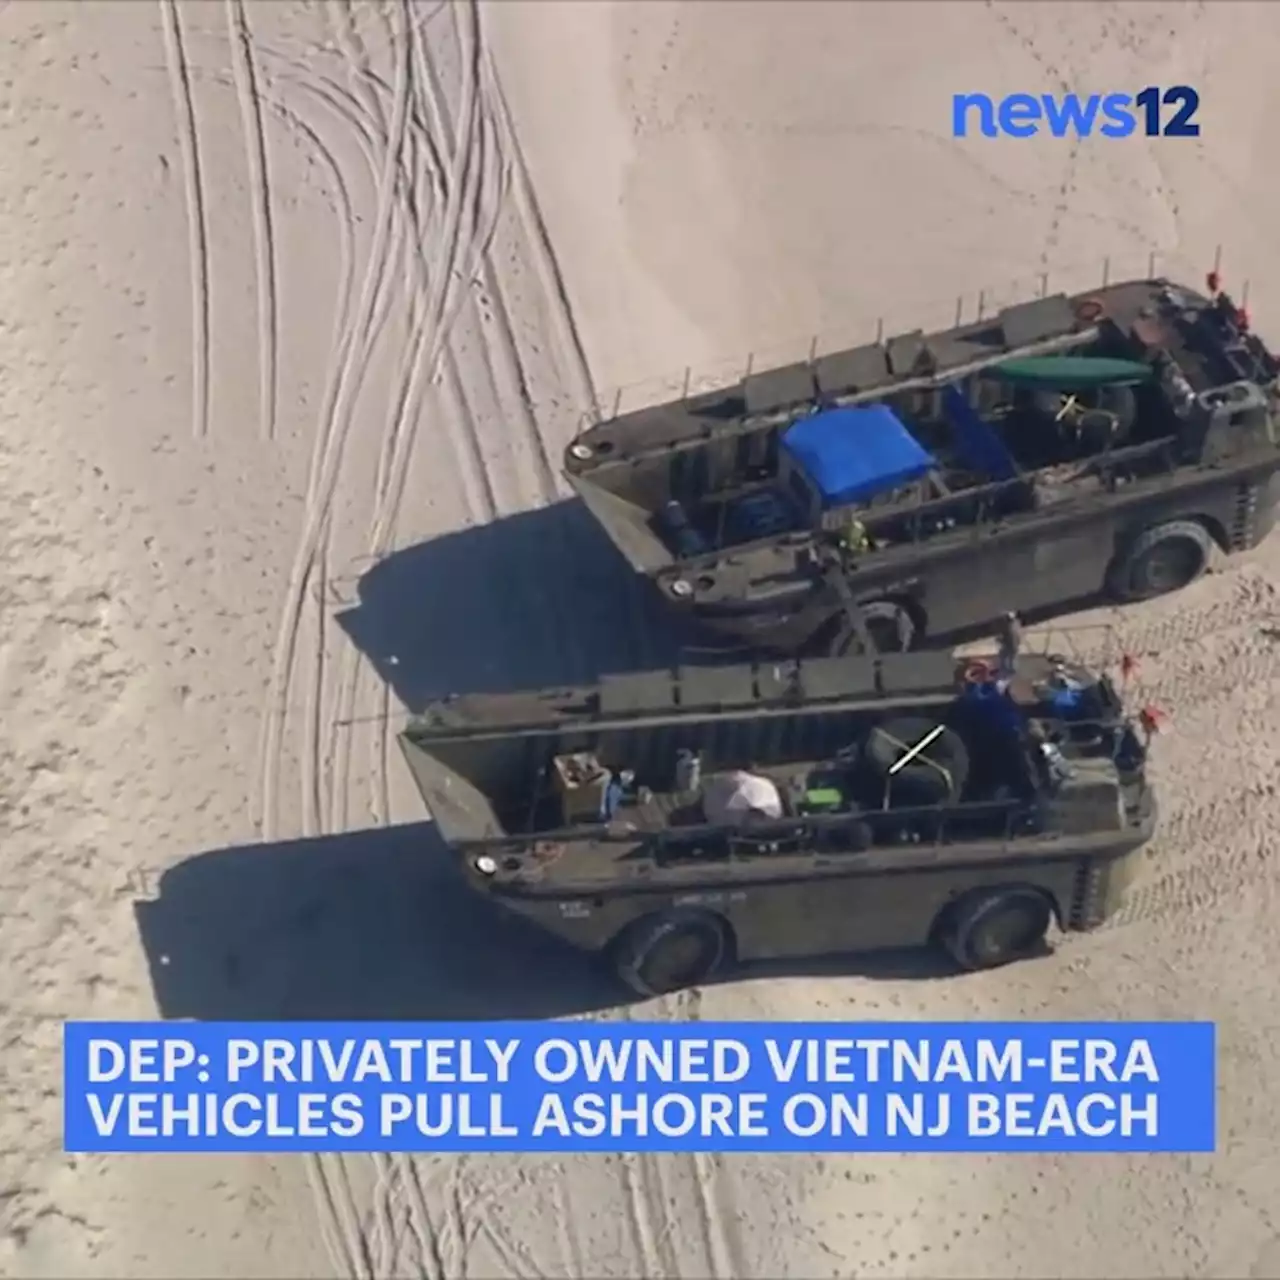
x,y
1151,718
1213,282
1128,665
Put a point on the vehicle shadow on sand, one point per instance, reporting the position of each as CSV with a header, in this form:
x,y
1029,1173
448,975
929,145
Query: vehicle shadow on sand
x,y
378,925
537,599
367,925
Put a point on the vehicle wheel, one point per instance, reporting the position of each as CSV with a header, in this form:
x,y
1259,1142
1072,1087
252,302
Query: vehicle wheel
x,y
1165,558
890,627
935,776
996,928
669,951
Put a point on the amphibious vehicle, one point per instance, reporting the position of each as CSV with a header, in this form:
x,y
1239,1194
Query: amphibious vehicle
x,y
677,822
1103,443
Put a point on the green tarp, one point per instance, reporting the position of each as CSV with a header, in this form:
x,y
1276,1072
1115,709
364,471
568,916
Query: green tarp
x,y
1071,373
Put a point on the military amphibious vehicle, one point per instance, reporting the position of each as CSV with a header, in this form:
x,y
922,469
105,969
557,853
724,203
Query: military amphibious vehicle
x,y
678,822
1069,447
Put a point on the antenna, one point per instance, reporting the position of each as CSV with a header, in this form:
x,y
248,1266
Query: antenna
x,y
1214,278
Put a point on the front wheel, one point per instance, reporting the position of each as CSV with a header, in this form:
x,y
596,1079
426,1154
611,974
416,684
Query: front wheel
x,y
996,928
1161,560
670,951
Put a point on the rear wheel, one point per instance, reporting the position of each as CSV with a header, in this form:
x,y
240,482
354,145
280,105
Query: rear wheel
x,y
1165,558
670,951
996,928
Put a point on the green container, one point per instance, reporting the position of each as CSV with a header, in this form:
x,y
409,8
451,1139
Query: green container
x,y
823,799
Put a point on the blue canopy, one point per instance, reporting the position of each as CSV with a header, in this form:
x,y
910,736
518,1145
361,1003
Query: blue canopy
x,y
853,454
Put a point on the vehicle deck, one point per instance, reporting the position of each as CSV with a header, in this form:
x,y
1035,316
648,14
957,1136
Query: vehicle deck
x,y
714,481
659,829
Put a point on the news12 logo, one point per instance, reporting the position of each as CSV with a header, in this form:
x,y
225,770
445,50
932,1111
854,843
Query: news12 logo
x,y
1168,113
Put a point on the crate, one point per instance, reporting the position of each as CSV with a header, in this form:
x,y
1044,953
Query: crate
x,y
580,780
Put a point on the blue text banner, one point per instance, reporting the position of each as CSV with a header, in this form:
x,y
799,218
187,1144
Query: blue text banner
x,y
563,1087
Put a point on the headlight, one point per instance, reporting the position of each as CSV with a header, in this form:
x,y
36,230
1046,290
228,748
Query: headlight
x,y
485,865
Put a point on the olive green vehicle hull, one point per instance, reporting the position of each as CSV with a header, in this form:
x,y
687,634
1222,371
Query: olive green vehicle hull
x,y
807,884
869,902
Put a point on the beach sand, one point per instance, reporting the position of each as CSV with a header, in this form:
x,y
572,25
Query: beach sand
x,y
246,356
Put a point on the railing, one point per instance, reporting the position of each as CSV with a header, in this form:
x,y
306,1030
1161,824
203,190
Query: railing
x,y
911,313
1094,645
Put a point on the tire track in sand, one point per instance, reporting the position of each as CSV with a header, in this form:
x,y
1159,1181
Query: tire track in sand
x,y
636,639
333,429
722,1253
461,236
339,1220
469,212
246,79
394,1181
469,148
329,1177
197,228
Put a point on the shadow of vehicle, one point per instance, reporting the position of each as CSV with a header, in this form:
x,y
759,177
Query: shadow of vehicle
x,y
378,925
368,925
533,600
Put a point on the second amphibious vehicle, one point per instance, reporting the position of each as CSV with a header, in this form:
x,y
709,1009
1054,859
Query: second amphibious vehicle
x,y
679,821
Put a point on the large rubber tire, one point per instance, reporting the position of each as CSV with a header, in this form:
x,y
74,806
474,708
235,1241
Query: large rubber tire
x,y
1118,404
671,950
891,628
995,928
925,780
1161,560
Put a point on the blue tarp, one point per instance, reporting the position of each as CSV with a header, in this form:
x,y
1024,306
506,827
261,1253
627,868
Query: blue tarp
x,y
979,444
853,454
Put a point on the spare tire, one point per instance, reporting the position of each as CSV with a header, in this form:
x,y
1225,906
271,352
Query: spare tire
x,y
935,775
1105,415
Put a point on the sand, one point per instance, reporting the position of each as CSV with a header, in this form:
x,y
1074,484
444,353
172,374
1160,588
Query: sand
x,y
245,357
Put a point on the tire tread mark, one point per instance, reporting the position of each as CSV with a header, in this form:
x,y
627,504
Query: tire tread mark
x,y
334,429
245,72
642,647
197,228
344,1248
545,260
343,385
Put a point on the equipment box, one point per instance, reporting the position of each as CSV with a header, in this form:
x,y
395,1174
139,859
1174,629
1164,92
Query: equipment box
x,y
580,780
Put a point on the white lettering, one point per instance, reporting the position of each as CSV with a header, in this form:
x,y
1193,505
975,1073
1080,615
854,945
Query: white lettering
x,y
1095,1115
106,1061
241,1055
555,1061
